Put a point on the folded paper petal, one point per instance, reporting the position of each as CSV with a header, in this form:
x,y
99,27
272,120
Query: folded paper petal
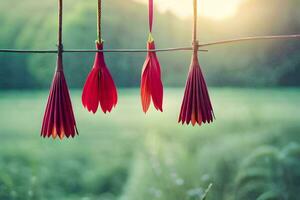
x,y
151,84
196,106
99,87
59,119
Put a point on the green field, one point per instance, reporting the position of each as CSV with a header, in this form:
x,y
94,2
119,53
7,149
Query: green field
x,y
250,151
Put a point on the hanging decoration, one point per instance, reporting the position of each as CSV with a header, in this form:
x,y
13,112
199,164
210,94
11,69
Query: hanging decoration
x,y
196,106
99,87
59,119
151,84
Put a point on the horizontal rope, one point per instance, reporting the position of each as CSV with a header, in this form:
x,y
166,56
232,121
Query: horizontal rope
x,y
274,37
94,50
244,39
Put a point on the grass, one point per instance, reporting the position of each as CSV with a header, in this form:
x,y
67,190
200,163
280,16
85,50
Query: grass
x,y
130,155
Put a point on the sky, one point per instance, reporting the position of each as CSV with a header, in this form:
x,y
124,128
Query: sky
x,y
215,9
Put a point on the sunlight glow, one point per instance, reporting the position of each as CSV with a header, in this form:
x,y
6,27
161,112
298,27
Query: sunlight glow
x,y
215,9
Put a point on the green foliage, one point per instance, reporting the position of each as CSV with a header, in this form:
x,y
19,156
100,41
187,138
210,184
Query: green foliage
x,y
17,179
125,26
270,174
246,153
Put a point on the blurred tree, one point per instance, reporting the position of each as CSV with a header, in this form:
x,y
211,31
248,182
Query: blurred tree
x,y
125,26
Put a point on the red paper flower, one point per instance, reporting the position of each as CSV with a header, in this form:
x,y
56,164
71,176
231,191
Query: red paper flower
x,y
99,86
151,84
196,106
59,119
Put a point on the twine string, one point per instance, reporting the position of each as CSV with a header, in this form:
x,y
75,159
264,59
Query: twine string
x,y
195,41
60,13
99,13
59,39
201,45
195,21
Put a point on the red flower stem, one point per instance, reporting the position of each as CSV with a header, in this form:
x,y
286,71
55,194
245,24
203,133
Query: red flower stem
x,y
99,13
150,15
59,66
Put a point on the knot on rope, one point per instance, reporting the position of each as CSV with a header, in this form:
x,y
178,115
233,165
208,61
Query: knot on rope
x,y
195,45
60,48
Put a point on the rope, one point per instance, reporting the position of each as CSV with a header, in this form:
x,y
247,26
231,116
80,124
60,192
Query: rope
x,y
221,42
99,13
244,39
60,13
59,66
195,21
104,50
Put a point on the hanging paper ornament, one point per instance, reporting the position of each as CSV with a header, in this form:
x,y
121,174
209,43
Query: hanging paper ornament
x,y
196,106
99,87
59,119
151,84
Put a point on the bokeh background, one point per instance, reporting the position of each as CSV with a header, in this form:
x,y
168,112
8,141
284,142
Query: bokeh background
x,y
251,151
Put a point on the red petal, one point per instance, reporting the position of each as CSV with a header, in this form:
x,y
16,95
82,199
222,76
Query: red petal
x,y
99,87
90,94
108,93
196,105
145,86
59,119
151,84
